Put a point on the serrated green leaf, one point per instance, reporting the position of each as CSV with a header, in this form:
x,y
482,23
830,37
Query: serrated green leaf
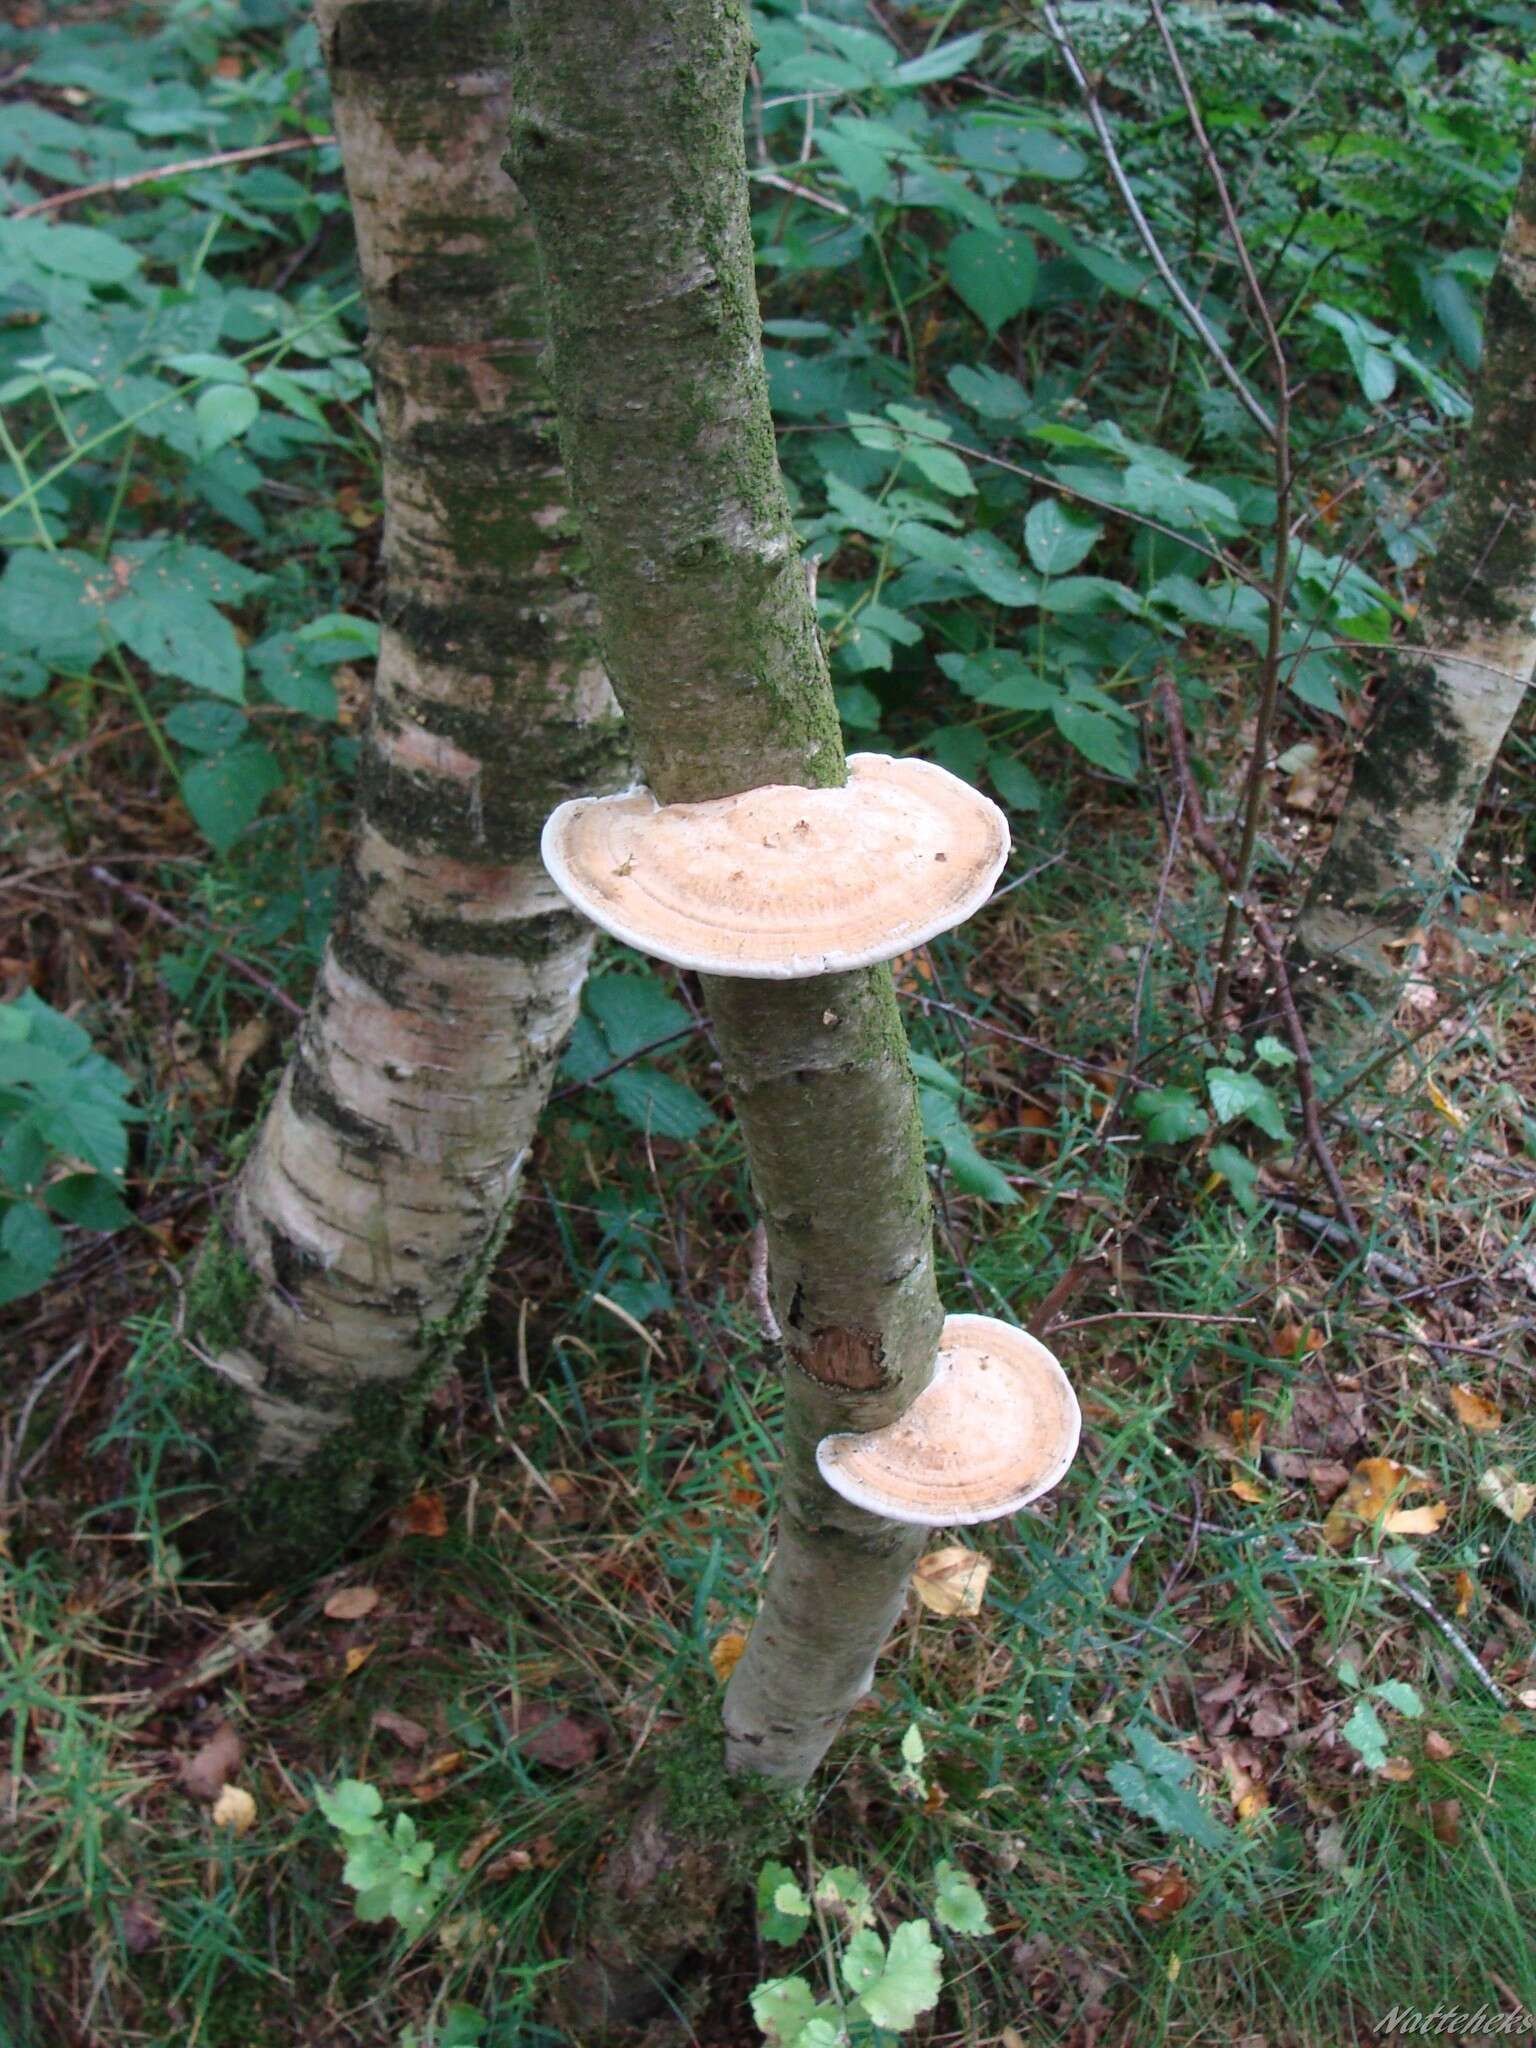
x,y
352,1806
225,793
1235,1096
89,1201
223,413
1154,1787
958,1905
1365,1735
1057,538
993,274
1240,1174
782,2006
910,1981
1169,1115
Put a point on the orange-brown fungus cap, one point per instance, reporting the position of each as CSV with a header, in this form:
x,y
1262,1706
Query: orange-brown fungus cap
x,y
781,883
995,1427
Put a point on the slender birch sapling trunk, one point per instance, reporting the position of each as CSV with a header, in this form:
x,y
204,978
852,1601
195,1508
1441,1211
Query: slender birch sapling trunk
x,y
626,139
354,1251
1443,713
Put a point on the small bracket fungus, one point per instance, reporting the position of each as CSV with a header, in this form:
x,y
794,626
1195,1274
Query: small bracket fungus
x,y
782,883
996,1427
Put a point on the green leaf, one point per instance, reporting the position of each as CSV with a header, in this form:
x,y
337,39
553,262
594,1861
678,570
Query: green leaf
x,y
913,1748
1235,1096
990,392
1169,1115
88,1200
909,1976
945,1126
1154,1787
1057,538
958,1905
783,1910
1366,1736
657,1103
205,725
782,2006
1014,782
1402,1698
1240,1174
225,793
843,1890
1096,736
223,413
69,251
942,62
1273,1052
353,1807
993,274
29,1238
1375,369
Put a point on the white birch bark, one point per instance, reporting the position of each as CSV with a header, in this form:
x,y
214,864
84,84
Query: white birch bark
x,y
1445,709
377,1188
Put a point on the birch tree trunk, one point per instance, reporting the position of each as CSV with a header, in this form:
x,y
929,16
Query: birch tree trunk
x,y
626,138
354,1252
1449,701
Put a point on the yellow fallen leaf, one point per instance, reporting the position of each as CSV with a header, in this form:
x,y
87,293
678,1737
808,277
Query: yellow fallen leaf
x,y
234,1808
725,1653
357,1657
1250,1804
1473,1412
1422,1521
1466,1586
951,1581
1373,1486
445,1765
1511,1496
1245,1489
1247,1427
1446,1107
351,1603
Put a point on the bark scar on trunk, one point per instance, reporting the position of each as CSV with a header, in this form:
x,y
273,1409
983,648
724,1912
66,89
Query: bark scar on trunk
x,y
851,1358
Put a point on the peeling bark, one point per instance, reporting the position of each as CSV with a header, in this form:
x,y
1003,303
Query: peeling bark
x,y
356,1244
1442,716
626,139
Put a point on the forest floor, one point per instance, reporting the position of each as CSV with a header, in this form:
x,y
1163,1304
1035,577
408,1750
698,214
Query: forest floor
x,y
1234,1732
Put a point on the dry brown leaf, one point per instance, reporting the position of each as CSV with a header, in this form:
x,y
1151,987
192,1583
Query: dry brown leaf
x,y
558,1740
1165,1891
1247,1426
234,1808
1502,1490
1466,1587
351,1603
470,1855
205,1773
1438,1748
444,1765
402,1727
1473,1412
1420,1521
356,1658
1397,1771
142,1925
951,1581
423,1515
242,1045
725,1653
1445,1819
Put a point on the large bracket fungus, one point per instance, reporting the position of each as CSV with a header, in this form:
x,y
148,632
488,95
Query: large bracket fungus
x,y
782,883
995,1427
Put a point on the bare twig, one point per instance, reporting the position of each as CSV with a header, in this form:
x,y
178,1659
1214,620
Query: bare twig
x,y
1274,953
18,1435
1280,438
127,182
233,961
1186,305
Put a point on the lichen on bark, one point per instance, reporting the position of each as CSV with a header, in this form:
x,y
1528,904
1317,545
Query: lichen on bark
x,y
1451,694
384,1170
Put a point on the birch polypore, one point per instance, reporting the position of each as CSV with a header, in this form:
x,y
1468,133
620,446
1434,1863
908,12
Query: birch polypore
x,y
995,1427
780,883
1445,708
626,139
382,1175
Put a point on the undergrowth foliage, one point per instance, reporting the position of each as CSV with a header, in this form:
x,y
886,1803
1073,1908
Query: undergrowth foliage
x,y
1231,1738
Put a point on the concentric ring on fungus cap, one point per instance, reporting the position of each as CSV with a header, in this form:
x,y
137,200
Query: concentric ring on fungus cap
x,y
995,1428
781,883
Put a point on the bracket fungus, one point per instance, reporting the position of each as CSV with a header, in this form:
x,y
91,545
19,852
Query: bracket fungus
x,y
782,883
995,1427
